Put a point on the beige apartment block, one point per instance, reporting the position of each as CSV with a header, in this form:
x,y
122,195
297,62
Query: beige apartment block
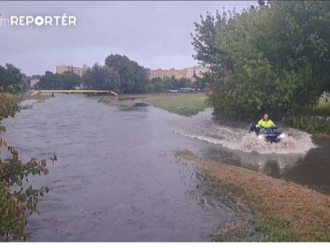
x,y
168,73
181,73
197,70
64,68
33,82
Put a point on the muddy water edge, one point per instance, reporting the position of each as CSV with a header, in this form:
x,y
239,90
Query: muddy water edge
x,y
117,178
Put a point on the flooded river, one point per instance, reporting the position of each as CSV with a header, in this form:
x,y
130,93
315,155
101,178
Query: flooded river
x,y
116,178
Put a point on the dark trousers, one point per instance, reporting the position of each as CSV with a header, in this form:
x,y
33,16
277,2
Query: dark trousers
x,y
254,128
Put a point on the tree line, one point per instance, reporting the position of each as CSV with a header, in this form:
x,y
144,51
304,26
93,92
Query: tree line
x,y
119,74
274,57
55,81
12,79
168,83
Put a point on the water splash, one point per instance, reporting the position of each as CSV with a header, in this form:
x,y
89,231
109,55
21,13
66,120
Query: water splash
x,y
289,144
202,127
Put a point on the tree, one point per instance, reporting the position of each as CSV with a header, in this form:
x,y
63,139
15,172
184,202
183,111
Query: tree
x,y
273,58
50,81
13,172
69,80
35,76
200,82
11,79
181,83
66,81
208,54
101,78
261,2
133,77
158,87
168,83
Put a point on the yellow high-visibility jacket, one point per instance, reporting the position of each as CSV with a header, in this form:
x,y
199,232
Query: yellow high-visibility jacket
x,y
264,123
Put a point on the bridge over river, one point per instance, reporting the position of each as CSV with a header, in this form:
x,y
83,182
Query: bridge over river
x,y
74,91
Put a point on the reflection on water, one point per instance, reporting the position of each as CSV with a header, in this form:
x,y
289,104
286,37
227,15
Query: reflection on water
x,y
258,162
203,128
303,161
116,178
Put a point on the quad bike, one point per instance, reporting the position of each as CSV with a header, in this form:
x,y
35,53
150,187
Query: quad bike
x,y
268,133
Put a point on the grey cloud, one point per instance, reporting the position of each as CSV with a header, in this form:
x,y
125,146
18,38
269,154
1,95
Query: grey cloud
x,y
155,34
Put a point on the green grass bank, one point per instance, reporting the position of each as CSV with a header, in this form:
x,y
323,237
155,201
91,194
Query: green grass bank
x,y
186,104
18,98
283,211
314,121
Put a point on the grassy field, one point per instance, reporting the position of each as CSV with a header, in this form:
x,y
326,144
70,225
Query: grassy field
x,y
323,108
325,101
306,119
17,98
285,212
186,104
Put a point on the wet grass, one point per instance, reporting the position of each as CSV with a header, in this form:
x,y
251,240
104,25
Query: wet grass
x,y
285,212
19,97
311,125
323,108
309,121
262,230
186,104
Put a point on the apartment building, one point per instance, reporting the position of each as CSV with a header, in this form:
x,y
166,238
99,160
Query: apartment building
x,y
156,73
183,73
168,73
64,68
33,82
196,70
148,72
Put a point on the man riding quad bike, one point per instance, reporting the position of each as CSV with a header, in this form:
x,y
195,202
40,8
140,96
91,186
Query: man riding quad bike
x,y
266,129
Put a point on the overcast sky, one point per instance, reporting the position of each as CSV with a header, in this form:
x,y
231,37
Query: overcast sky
x,y
153,33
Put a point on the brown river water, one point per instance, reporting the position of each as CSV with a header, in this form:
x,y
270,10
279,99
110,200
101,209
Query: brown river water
x,y
116,178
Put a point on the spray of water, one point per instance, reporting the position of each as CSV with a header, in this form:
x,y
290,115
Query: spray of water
x,y
289,144
201,127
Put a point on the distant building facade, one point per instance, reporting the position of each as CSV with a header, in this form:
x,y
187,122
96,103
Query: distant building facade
x,y
156,73
168,73
196,70
64,68
34,82
182,73
148,72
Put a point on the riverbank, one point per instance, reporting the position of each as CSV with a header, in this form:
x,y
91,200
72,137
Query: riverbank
x,y
186,104
19,97
284,211
189,104
315,121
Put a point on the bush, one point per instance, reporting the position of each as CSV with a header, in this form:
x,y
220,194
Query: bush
x,y
309,124
271,58
15,204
